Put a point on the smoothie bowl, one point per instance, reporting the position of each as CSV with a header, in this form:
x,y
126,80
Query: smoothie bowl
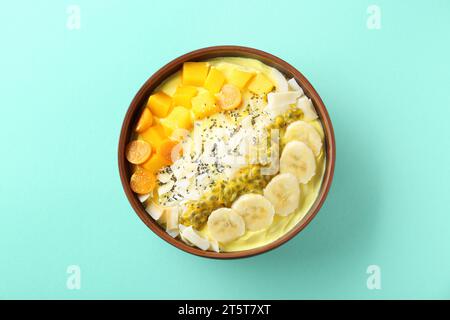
x,y
226,152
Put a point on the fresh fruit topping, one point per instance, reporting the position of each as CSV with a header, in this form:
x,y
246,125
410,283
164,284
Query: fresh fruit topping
x,y
280,99
256,211
278,102
294,86
214,81
298,159
169,150
154,135
143,197
305,132
229,97
155,163
204,105
183,96
283,191
142,181
260,84
240,78
281,84
145,121
194,238
172,215
307,107
138,151
214,245
155,210
159,104
225,225
195,73
223,194
178,118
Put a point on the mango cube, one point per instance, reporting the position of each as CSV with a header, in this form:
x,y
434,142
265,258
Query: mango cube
x,y
195,73
240,78
183,96
155,163
159,104
214,81
154,135
178,118
260,84
204,105
145,121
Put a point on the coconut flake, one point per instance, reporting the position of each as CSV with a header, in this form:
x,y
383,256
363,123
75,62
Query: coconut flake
x,y
163,189
155,211
279,99
173,233
203,179
190,169
193,237
214,245
305,104
278,102
235,140
192,195
246,123
172,218
294,86
181,228
163,177
230,172
143,197
281,84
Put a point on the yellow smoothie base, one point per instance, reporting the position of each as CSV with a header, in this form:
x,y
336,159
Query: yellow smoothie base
x,y
309,192
281,225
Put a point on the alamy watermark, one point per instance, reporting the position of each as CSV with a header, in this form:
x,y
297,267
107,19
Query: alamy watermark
x,y
234,151
73,21
374,279
374,17
73,281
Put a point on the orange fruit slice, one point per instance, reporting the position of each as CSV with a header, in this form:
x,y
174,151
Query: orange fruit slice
x,y
142,181
229,97
165,150
138,151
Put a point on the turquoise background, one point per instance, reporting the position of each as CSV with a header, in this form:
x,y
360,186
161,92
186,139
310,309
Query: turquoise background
x,y
64,95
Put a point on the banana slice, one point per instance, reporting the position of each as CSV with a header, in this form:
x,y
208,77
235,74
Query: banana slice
x,y
298,159
225,225
283,191
256,211
303,131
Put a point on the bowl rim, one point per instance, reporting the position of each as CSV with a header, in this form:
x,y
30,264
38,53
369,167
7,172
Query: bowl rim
x,y
200,55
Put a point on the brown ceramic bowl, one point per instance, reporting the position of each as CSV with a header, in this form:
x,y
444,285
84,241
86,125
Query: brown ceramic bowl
x,y
202,54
